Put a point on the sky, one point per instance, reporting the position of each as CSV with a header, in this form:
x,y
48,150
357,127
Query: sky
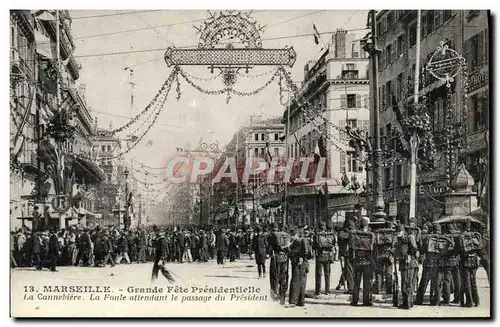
x,y
196,116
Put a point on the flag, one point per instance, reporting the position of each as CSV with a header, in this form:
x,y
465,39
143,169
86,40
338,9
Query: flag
x,y
317,154
43,45
317,36
45,15
345,180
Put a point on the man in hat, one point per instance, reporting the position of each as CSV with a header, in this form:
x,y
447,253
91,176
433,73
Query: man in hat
x,y
53,249
279,242
469,264
453,264
428,262
108,250
259,247
299,256
160,253
323,244
362,264
345,256
84,248
407,255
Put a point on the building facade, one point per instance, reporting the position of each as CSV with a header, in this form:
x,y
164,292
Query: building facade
x,y
467,33
336,87
44,84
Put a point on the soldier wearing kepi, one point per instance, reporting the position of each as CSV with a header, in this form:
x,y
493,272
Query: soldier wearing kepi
x,y
407,255
323,245
470,247
345,258
299,256
384,259
279,242
429,267
361,243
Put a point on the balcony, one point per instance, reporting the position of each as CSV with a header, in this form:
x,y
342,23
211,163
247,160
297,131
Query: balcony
x,y
350,74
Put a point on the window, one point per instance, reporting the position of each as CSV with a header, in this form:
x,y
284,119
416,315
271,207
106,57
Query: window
x,y
446,15
103,148
401,44
479,107
438,18
438,114
390,20
384,25
276,136
352,162
394,53
388,51
476,51
382,137
22,46
387,177
342,162
413,34
12,36
109,147
352,123
399,175
388,92
276,152
430,22
351,101
379,28
350,66
262,137
399,87
256,137
263,151
256,152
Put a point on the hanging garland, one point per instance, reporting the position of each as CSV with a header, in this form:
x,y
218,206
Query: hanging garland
x,y
227,90
465,90
155,118
146,166
151,103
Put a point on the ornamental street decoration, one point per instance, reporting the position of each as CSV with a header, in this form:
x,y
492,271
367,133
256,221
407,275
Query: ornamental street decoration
x,y
61,203
230,41
445,63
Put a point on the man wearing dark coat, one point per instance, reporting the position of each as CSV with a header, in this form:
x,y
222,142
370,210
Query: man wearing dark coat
x,y
160,253
83,248
259,247
181,245
53,250
203,247
221,246
35,250
108,250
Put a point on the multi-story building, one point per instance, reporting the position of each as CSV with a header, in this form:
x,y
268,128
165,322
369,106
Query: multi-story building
x,y
110,195
243,203
467,33
43,80
337,88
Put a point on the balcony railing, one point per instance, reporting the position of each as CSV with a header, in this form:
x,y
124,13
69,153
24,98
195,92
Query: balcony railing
x,y
350,74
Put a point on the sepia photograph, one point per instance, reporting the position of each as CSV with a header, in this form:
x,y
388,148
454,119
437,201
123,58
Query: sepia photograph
x,y
250,163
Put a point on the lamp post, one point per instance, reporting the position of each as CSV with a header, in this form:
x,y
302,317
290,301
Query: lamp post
x,y
371,46
126,218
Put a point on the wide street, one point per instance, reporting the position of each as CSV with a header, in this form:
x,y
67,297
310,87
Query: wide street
x,y
240,273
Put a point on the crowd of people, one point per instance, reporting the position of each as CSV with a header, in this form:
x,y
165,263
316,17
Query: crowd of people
x,y
385,258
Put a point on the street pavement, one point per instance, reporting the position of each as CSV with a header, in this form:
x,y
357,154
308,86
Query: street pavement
x,y
240,273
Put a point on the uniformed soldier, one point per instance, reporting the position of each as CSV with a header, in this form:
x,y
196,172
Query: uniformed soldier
x,y
469,264
345,257
429,268
299,256
447,261
362,259
454,262
407,255
323,245
384,259
279,242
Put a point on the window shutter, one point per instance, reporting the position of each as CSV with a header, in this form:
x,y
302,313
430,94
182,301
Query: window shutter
x,y
342,162
343,101
394,55
382,99
342,124
486,45
358,100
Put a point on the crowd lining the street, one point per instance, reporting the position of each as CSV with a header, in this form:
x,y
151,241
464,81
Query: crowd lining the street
x,y
292,247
